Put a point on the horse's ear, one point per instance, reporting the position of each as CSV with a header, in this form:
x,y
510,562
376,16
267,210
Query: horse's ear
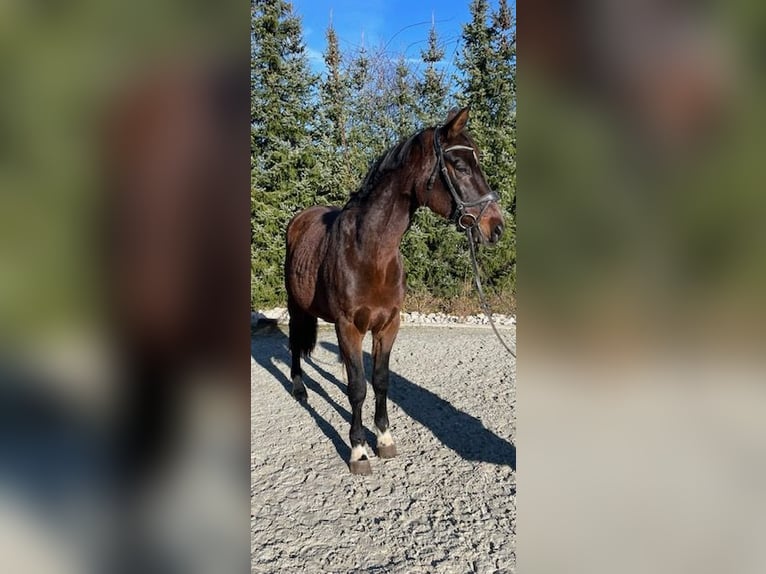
x,y
456,120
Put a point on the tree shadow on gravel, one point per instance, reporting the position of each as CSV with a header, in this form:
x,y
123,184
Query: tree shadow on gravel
x,y
457,430
268,346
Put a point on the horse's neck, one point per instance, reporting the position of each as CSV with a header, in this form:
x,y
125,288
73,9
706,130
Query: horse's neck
x,y
385,217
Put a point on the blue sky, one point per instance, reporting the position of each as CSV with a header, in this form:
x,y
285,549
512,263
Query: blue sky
x,y
400,25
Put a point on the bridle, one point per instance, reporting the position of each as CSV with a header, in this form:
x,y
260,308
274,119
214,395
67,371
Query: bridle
x,y
465,221
460,217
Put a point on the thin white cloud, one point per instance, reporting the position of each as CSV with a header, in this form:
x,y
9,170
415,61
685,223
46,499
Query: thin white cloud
x,y
316,59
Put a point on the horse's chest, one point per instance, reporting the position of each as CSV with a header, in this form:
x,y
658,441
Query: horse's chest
x,y
385,284
364,289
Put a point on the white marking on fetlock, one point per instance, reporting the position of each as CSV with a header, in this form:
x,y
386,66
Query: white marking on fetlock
x,y
384,437
359,452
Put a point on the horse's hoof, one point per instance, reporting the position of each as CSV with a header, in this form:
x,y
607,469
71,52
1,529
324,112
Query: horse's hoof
x,y
301,395
360,466
387,451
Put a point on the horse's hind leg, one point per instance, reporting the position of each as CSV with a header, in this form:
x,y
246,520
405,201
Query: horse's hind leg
x,y
350,342
382,342
303,336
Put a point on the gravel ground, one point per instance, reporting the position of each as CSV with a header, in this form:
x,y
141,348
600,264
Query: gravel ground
x,y
446,503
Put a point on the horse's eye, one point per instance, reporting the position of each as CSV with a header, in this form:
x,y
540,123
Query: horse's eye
x,y
462,167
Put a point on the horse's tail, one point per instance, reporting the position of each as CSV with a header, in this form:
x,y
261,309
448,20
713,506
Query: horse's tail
x,y
303,331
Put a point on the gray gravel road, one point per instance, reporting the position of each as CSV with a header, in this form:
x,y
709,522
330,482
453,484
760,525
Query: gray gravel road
x,y
446,503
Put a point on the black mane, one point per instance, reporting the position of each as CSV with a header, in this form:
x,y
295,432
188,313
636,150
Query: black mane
x,y
391,160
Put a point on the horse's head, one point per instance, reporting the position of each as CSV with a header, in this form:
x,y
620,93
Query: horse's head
x,y
457,188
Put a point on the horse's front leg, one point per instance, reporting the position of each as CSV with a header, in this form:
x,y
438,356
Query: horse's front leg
x,y
350,342
382,342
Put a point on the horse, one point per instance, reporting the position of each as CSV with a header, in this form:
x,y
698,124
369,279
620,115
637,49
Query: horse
x,y
344,265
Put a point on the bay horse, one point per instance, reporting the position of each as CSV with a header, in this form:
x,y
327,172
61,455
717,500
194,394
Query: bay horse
x,y
345,266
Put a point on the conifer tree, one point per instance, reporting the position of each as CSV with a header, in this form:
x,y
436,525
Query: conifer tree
x,y
488,63
404,99
371,123
432,88
475,63
336,176
334,91
360,68
503,100
282,115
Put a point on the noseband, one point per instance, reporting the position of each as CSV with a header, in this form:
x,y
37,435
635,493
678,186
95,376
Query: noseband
x,y
463,220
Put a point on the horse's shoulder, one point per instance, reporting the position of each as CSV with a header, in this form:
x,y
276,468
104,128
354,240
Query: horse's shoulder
x,y
313,212
313,217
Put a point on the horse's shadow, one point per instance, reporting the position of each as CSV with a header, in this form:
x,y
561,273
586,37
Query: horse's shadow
x,y
267,347
457,430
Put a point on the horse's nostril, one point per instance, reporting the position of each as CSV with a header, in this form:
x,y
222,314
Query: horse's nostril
x,y
497,232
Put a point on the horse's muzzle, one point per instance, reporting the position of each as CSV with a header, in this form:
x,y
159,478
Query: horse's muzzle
x,y
492,224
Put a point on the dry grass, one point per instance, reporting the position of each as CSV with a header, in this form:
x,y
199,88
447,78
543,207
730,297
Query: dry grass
x,y
464,304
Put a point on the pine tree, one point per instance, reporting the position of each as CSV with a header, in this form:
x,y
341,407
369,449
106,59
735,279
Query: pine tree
x,y
488,85
371,123
432,88
404,102
334,91
488,64
475,64
360,68
336,174
503,113
282,115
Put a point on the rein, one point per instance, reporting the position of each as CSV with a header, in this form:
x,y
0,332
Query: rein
x,y
459,215
482,298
